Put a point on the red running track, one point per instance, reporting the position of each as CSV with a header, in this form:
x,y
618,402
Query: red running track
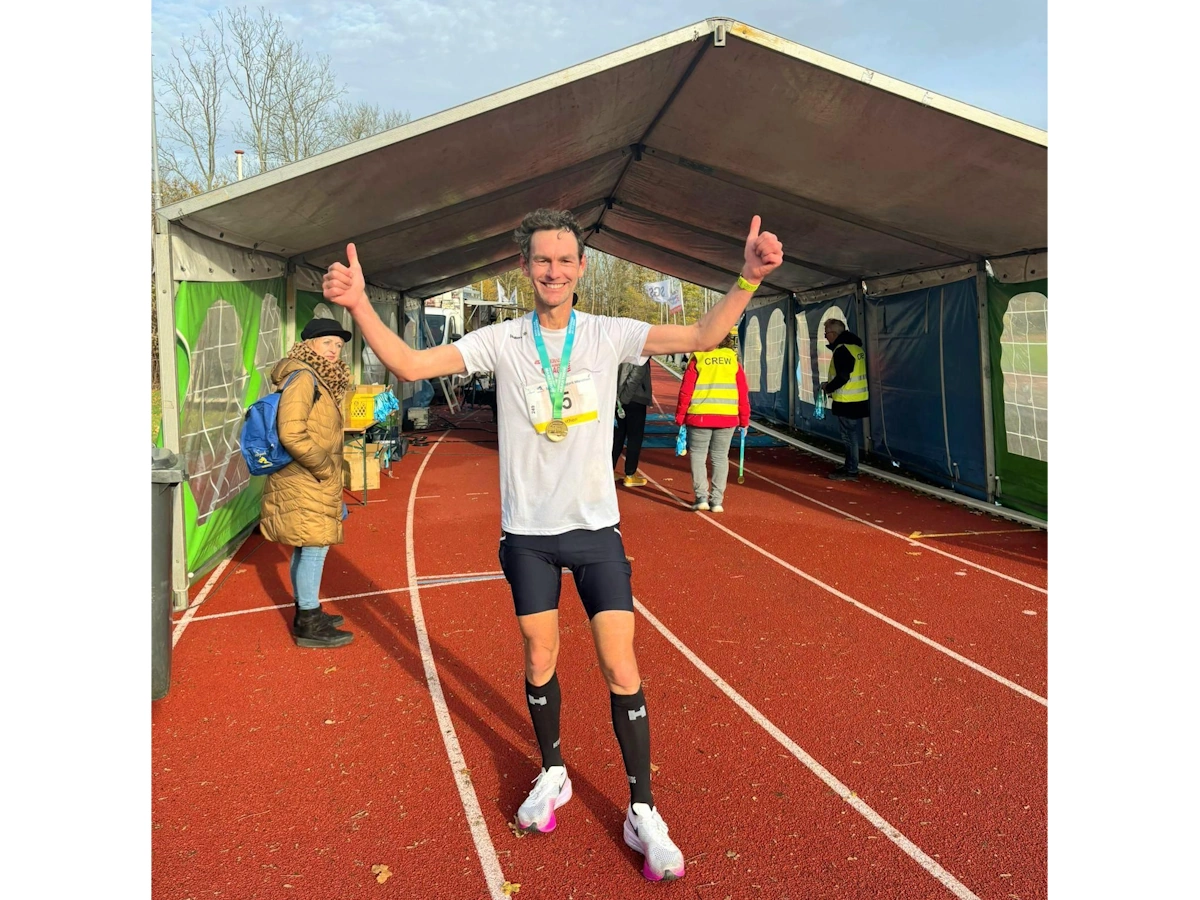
x,y
837,709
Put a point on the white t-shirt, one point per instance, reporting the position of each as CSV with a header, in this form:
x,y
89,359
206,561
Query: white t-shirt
x,y
548,487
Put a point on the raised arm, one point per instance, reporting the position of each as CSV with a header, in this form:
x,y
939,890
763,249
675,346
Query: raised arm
x,y
763,254
345,286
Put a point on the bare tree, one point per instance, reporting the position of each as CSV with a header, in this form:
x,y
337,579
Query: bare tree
x,y
300,118
356,121
253,48
190,96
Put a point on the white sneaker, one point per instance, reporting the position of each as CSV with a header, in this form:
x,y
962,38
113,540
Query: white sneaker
x,y
718,508
646,832
702,506
551,789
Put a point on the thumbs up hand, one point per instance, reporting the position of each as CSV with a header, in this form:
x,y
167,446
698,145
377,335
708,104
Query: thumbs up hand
x,y
344,284
764,253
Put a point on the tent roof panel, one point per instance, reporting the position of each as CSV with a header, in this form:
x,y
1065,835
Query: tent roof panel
x,y
859,174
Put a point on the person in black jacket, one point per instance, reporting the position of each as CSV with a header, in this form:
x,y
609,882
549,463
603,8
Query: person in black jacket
x,y
634,396
847,388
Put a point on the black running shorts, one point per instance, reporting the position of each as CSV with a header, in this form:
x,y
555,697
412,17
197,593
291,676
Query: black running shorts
x,y
533,565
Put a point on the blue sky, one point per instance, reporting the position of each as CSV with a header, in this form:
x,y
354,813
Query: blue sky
x,y
425,56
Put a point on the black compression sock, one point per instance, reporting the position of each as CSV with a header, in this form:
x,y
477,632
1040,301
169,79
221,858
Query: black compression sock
x,y
632,727
545,705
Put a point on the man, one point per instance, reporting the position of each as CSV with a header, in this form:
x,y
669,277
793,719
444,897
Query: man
x,y
847,388
634,396
556,383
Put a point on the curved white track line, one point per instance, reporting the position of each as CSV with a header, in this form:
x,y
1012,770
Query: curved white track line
x,y
458,763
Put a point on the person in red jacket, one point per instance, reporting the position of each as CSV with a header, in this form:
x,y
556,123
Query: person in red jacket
x,y
713,401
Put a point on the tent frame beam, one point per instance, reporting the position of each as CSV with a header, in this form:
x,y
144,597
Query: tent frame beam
x,y
168,385
433,288
683,256
985,380
463,205
733,241
391,274
635,150
832,212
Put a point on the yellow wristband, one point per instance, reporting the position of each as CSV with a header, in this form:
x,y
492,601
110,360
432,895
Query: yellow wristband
x,y
746,285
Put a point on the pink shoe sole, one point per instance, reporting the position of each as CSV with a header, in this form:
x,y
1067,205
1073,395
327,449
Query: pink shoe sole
x,y
635,843
551,823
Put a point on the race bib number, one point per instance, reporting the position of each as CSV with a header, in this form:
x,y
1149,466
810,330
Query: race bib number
x,y
579,403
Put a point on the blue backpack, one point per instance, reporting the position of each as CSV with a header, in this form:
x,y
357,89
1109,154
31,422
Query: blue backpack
x,y
261,447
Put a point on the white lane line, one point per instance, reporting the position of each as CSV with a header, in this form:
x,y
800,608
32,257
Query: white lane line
x,y
425,578
429,581
466,791
983,670
896,534
892,833
190,613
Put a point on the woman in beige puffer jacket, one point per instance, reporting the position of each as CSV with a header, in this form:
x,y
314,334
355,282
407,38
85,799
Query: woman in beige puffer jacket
x,y
302,502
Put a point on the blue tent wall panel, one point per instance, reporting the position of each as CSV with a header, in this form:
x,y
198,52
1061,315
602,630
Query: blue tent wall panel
x,y
813,313
922,344
769,404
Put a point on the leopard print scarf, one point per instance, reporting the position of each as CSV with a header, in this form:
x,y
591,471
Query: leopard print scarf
x,y
334,374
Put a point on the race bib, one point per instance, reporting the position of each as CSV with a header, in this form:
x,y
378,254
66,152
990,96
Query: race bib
x,y
579,403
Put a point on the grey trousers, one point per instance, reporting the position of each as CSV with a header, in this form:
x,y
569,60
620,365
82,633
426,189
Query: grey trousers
x,y
702,443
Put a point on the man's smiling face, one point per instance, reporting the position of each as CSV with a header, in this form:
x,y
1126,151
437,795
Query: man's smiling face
x,y
554,267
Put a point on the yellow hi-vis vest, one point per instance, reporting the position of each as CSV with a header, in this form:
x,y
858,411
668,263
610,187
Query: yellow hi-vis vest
x,y
716,392
856,388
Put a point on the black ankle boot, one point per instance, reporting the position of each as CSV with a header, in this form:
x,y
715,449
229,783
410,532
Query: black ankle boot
x,y
331,618
312,629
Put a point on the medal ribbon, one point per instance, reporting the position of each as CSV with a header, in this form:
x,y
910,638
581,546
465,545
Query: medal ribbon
x,y
556,383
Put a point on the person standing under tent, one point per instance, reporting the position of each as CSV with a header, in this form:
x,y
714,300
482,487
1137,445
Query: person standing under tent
x,y
634,396
713,401
846,386
556,382
302,502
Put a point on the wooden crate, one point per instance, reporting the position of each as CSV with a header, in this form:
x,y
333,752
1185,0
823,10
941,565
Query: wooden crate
x,y
352,472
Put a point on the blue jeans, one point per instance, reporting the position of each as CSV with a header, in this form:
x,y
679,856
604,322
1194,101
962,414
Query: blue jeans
x,y
849,429
701,444
307,564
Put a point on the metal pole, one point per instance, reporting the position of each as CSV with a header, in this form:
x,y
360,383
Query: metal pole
x,y
164,307
239,154
985,372
860,313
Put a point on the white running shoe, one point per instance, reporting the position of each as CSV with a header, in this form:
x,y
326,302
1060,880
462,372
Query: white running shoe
x,y
701,506
551,789
646,832
718,508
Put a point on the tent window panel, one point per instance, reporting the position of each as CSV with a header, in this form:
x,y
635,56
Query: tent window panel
x,y
269,347
213,410
1024,365
410,335
824,354
776,338
753,356
804,373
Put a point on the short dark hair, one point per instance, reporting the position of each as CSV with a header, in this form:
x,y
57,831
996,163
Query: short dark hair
x,y
546,220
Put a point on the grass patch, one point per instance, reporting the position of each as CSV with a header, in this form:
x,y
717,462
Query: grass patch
x,y
155,414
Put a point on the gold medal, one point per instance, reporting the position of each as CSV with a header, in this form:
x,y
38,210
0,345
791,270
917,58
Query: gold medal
x,y
556,430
